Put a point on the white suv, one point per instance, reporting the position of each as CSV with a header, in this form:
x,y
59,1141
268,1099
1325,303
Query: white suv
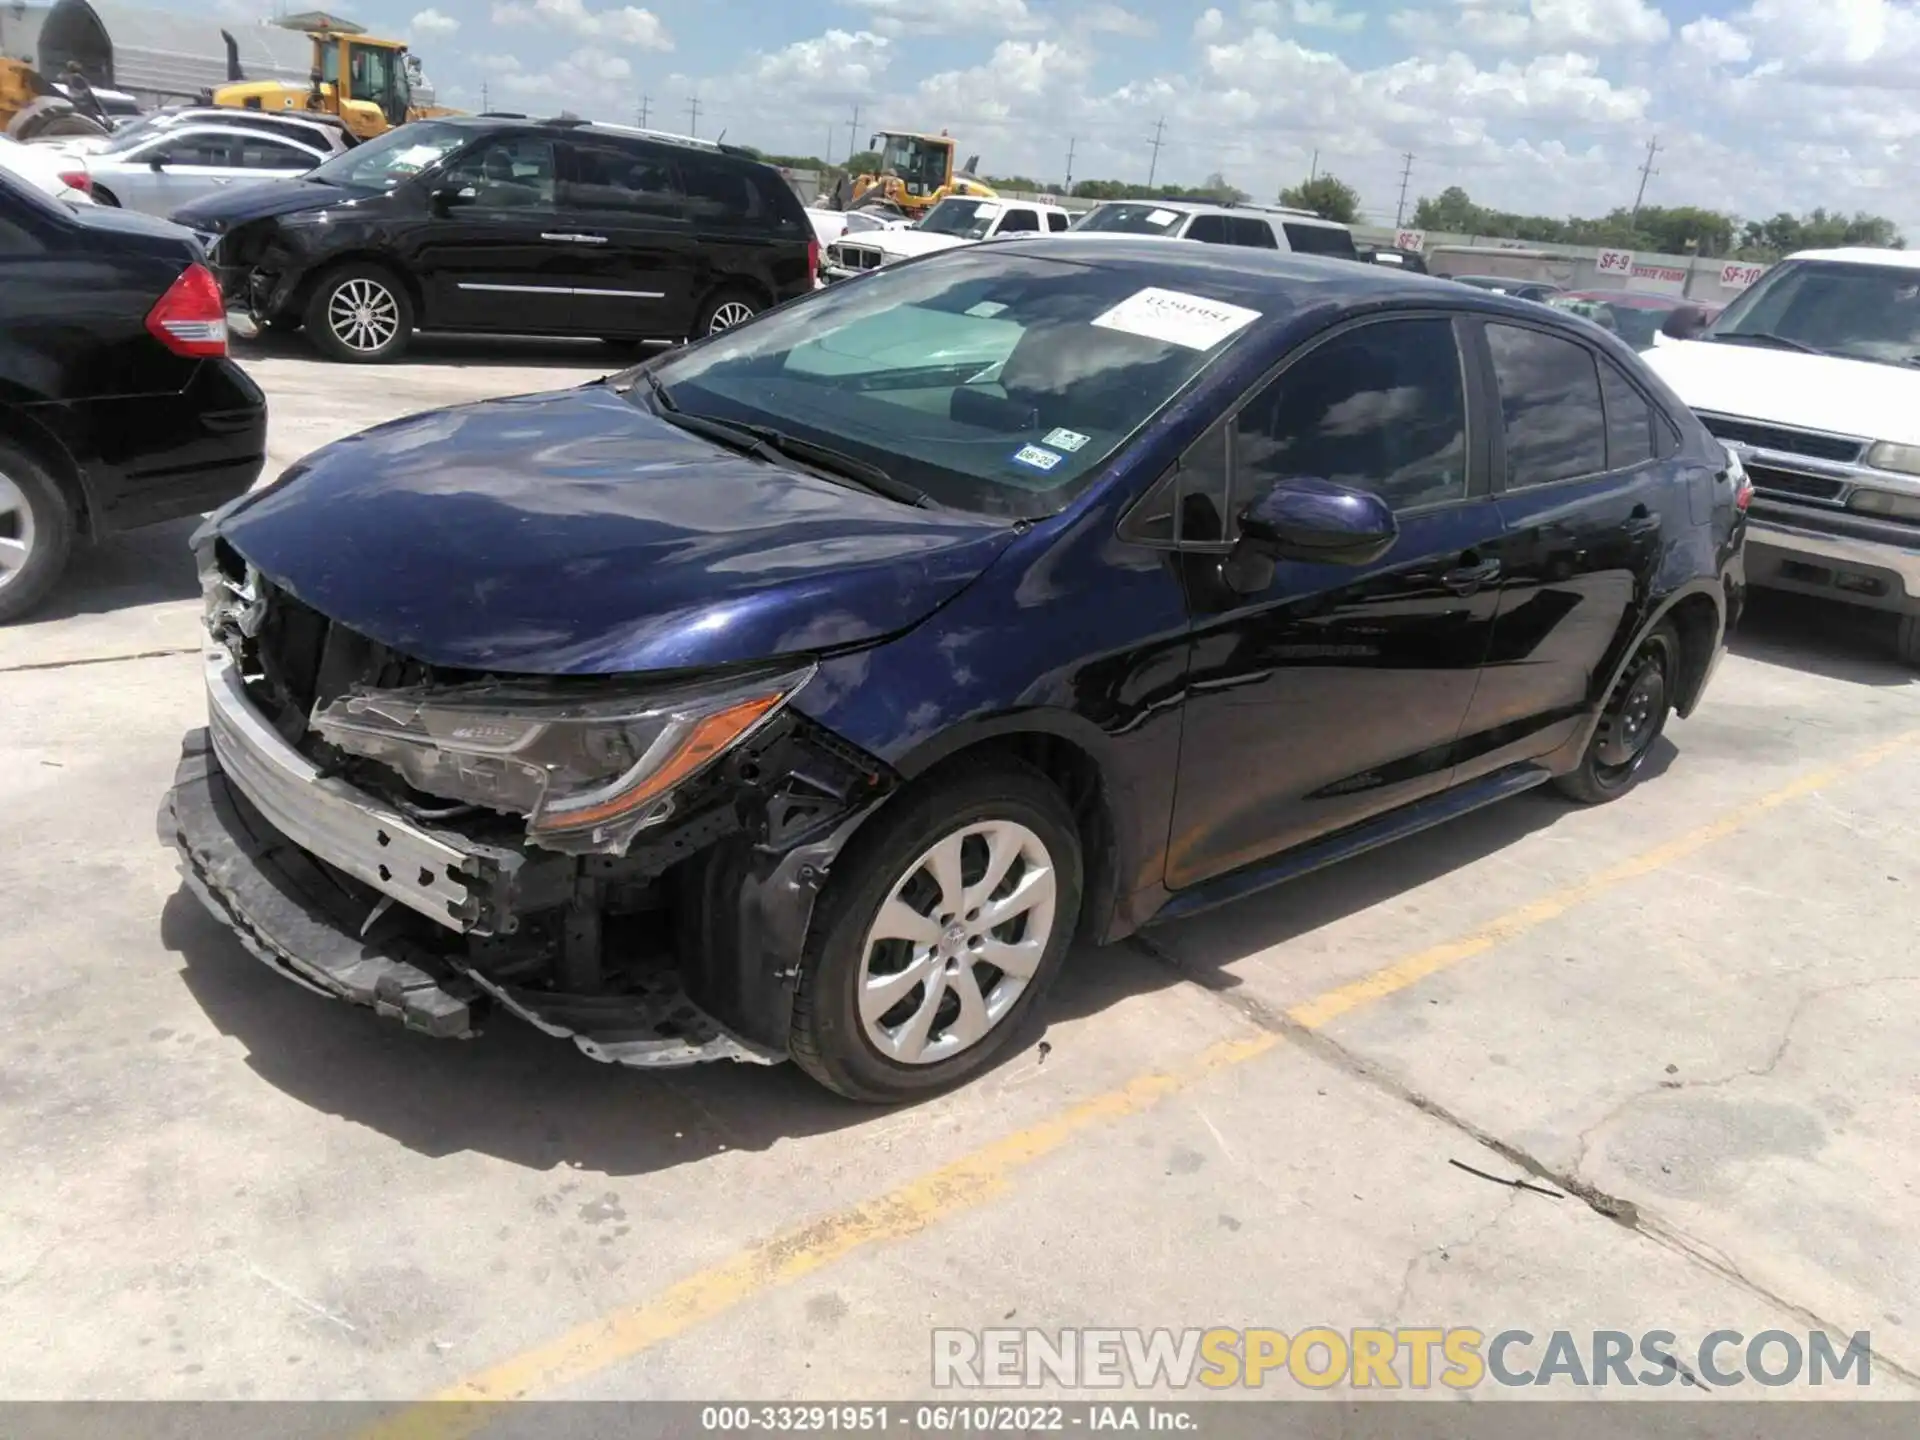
x,y
955,221
1812,378
1257,227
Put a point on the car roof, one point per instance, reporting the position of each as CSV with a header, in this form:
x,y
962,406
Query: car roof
x,y
220,127
1862,255
568,125
1210,207
1633,299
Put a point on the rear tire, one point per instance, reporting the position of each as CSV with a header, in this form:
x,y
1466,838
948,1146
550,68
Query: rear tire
x,y
103,196
1007,846
36,532
1633,720
1908,639
359,312
724,310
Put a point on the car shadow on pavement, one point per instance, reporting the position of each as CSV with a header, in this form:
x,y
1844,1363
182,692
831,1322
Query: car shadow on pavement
x,y
140,567
464,351
1820,637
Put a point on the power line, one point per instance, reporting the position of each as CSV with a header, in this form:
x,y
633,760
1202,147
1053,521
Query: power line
x,y
1159,131
1406,173
693,115
1646,169
853,133
1072,141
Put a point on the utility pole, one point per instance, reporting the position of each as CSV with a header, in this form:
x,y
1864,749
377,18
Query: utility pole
x,y
1159,130
1406,173
1072,141
485,103
1646,169
853,133
644,111
693,115
1313,170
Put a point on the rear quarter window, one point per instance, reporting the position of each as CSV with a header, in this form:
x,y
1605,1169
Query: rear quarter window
x,y
1320,240
734,196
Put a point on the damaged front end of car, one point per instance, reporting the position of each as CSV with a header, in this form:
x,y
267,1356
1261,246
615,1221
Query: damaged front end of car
x,y
628,862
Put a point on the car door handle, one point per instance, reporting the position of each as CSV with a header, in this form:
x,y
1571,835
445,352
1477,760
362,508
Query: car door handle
x,y
1466,579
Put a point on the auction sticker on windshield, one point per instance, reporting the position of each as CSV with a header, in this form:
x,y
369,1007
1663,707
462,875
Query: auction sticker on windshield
x,y
1177,318
1064,439
1163,217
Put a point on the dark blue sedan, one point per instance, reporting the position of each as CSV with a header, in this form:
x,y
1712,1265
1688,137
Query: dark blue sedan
x,y
802,693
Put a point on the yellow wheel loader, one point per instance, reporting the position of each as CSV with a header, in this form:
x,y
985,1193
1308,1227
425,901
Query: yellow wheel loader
x,y
31,108
917,172
368,83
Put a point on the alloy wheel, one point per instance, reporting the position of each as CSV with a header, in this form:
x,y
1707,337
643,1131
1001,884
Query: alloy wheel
x,y
363,315
732,313
16,531
1632,717
956,942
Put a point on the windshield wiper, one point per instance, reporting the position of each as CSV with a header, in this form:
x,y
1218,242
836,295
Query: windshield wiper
x,y
1767,337
763,442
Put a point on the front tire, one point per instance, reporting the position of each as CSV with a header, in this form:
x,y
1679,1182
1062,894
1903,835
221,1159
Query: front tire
x,y
940,935
1634,718
359,313
36,532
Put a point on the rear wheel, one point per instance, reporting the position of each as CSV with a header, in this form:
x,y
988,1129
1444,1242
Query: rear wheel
x,y
1635,715
36,532
725,310
360,313
940,935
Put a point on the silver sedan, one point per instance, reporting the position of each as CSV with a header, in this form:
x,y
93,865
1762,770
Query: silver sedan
x,y
158,173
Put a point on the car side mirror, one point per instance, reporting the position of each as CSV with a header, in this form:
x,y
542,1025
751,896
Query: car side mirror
x,y
157,163
446,197
1313,520
1684,322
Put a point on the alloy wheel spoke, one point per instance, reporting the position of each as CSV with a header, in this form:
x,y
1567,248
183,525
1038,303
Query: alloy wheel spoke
x,y
973,1021
1019,958
1035,887
1003,848
898,920
909,1042
943,863
880,993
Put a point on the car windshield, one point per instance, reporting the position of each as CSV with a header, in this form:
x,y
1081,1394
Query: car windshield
x,y
1860,311
993,382
145,128
1635,324
968,218
393,158
1143,219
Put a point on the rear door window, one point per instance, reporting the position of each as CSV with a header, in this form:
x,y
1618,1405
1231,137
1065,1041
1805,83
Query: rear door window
x,y
1019,219
191,149
1549,406
604,175
720,194
1250,232
1209,230
262,152
1320,240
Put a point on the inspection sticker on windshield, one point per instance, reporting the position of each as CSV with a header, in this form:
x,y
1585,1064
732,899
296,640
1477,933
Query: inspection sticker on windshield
x,y
1068,440
1177,318
1036,457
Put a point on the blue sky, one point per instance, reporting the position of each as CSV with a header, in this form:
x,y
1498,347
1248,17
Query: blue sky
x,y
1542,105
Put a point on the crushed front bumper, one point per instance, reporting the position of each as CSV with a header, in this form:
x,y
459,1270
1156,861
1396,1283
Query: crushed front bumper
x,y
303,868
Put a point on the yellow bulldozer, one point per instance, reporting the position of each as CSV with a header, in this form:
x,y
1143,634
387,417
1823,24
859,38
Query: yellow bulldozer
x,y
31,108
365,81
917,172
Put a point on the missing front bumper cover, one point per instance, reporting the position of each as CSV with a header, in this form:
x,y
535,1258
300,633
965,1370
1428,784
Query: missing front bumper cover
x,y
304,919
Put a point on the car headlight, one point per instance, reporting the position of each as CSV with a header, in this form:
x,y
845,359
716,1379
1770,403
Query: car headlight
x,y
1888,456
589,772
1885,502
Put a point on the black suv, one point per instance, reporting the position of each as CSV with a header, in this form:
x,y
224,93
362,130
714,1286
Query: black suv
x,y
511,226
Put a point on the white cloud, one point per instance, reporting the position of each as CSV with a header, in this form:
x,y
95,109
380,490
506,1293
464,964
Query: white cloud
x,y
626,25
432,23
1716,41
1326,15
1210,25
1115,20
1020,75
585,81
838,61
1536,25
950,17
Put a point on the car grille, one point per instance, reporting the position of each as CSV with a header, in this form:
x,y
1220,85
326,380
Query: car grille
x,y
1768,480
857,257
1781,437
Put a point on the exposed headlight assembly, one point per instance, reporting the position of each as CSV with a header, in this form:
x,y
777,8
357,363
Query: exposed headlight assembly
x,y
1885,455
589,772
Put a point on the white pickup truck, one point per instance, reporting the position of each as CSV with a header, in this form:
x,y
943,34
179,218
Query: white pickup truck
x,y
1812,377
957,220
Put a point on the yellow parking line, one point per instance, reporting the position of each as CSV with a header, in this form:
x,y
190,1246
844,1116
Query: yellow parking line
x,y
971,1181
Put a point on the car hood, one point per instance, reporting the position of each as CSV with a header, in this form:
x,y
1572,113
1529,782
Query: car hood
x,y
576,533
1783,387
225,209
905,243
